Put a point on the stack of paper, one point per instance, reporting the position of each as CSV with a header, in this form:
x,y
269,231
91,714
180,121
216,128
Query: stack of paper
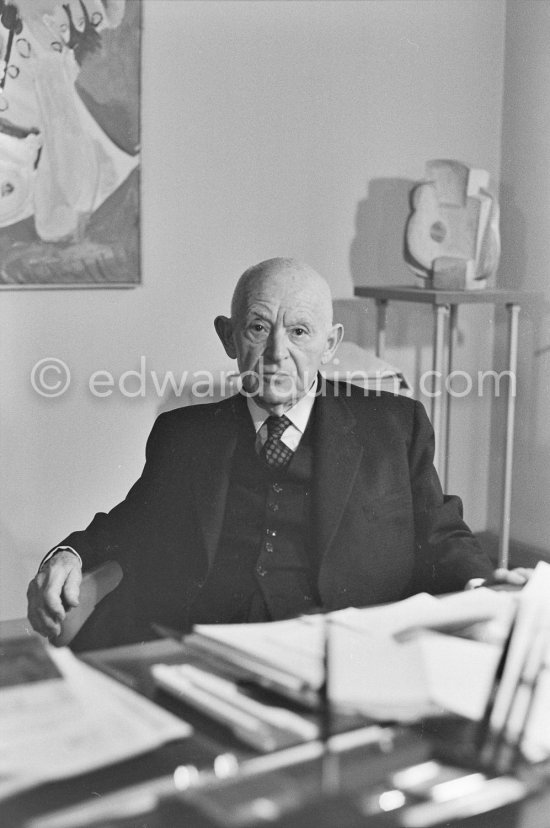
x,y
521,712
396,662
429,674
285,653
67,719
380,663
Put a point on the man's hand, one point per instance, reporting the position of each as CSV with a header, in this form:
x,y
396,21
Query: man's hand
x,y
512,577
54,590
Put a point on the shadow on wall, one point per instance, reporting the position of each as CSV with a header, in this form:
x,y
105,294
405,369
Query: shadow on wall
x,y
511,275
531,468
511,272
377,257
377,250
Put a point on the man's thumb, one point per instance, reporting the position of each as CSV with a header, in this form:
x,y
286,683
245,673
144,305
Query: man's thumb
x,y
71,588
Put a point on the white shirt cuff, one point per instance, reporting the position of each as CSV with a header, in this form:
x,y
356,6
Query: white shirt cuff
x,y
52,552
474,583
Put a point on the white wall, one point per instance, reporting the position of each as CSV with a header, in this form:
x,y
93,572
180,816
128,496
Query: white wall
x,y
526,256
269,128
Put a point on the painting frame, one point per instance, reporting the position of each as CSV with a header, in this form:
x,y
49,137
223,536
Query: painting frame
x,y
70,193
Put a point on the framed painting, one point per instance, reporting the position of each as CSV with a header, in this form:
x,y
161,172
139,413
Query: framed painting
x,y
69,143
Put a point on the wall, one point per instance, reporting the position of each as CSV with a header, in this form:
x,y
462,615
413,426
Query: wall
x,y
525,200
268,129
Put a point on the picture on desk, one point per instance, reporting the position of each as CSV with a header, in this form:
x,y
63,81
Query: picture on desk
x,y
69,143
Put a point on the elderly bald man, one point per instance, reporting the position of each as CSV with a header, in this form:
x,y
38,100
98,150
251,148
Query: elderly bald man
x,y
295,495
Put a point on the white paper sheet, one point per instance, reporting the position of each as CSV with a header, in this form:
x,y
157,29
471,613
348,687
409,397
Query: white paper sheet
x,y
423,610
523,698
63,727
294,647
378,671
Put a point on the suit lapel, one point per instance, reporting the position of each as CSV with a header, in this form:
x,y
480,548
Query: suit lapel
x,y
338,455
211,477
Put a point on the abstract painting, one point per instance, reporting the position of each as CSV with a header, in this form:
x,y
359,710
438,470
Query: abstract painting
x,y
69,143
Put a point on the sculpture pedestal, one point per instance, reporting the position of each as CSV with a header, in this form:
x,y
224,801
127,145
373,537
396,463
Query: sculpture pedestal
x,y
445,306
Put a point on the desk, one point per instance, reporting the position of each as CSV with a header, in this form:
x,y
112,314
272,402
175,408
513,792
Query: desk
x,y
445,307
131,664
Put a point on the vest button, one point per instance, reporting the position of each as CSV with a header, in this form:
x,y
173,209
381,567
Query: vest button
x,y
277,488
261,571
273,507
268,546
271,532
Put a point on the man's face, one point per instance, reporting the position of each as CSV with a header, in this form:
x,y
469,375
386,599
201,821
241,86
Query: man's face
x,y
281,334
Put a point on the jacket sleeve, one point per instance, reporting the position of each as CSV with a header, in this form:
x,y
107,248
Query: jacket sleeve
x,y
117,535
447,553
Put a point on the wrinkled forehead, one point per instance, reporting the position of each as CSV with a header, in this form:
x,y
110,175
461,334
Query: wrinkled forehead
x,y
286,292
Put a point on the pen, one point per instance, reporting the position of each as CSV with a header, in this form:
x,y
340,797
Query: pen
x,y
243,724
277,717
266,676
167,632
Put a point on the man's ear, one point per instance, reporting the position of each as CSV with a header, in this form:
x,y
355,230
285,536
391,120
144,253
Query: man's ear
x,y
334,338
224,329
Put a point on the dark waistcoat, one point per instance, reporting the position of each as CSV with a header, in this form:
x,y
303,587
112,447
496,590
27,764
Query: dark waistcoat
x,y
262,569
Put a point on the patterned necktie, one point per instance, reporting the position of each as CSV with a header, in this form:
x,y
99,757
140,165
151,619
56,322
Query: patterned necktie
x,y
275,453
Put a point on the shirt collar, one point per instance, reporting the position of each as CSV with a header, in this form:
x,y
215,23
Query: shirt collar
x,y
298,415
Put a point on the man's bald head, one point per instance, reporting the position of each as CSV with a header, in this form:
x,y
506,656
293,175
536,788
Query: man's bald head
x,y
295,274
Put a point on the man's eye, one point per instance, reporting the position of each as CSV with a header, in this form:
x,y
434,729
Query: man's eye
x,y
299,331
256,329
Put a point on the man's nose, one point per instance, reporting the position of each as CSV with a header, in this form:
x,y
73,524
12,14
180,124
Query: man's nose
x,y
276,346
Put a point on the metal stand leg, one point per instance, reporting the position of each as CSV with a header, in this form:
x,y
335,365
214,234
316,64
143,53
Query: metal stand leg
x,y
446,398
438,389
381,307
503,552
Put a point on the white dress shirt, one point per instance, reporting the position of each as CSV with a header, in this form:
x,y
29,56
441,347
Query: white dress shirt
x,y
298,415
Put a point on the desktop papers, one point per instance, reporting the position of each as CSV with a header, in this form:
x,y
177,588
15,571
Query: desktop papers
x,y
521,711
395,662
81,720
378,665
286,653
429,674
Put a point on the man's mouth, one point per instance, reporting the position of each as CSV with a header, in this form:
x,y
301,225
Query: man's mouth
x,y
275,376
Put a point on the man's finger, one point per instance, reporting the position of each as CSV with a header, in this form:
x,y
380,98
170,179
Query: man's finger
x,y
57,576
510,576
36,612
71,588
54,589
52,602
43,623
524,571
52,627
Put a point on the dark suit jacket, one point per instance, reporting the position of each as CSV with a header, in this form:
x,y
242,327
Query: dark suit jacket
x,y
383,529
